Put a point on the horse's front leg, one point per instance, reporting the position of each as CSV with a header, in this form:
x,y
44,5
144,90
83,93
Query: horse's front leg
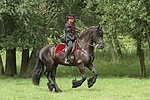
x,y
92,80
77,83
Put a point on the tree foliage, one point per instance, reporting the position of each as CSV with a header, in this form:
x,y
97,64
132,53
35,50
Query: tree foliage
x,y
30,24
22,24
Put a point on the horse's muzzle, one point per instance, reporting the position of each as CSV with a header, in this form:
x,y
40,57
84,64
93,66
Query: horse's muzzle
x,y
99,46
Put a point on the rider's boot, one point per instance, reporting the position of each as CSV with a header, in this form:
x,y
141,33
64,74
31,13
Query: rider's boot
x,y
66,57
66,60
69,48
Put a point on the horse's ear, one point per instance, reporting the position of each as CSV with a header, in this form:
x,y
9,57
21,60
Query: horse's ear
x,y
98,26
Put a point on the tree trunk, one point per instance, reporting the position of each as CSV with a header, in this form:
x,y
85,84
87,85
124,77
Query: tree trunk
x,y
1,66
30,64
119,52
111,47
11,69
1,25
140,53
1,62
24,61
112,51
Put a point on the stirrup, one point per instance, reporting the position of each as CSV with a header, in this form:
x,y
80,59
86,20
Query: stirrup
x,y
66,61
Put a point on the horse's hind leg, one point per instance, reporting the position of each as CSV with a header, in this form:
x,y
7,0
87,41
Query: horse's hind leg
x,y
51,78
92,80
50,83
53,75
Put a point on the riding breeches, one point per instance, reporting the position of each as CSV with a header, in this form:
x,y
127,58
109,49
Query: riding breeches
x,y
69,48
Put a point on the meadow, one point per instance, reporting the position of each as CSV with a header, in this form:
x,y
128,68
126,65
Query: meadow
x,y
104,89
116,81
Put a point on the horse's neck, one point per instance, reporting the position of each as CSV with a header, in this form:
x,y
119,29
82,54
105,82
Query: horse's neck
x,y
87,45
86,40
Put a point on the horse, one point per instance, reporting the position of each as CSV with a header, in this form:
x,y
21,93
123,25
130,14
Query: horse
x,y
82,56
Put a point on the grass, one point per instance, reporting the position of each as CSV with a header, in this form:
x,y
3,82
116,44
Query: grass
x,y
128,67
104,89
116,81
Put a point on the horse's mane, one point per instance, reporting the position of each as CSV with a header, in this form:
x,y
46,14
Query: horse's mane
x,y
87,29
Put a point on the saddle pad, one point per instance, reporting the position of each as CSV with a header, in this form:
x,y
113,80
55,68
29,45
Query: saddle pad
x,y
60,47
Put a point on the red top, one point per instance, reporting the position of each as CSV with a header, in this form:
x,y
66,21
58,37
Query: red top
x,y
72,27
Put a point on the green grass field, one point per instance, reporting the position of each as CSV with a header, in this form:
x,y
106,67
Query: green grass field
x,y
116,81
104,89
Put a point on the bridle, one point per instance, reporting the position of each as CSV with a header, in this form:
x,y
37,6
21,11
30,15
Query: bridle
x,y
97,43
81,45
80,42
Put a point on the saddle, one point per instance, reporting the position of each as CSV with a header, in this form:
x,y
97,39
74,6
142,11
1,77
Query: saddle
x,y
62,47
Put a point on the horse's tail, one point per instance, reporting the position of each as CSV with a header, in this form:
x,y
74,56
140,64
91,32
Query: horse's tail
x,y
38,70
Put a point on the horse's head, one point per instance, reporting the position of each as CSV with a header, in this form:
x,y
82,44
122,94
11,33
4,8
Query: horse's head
x,y
98,38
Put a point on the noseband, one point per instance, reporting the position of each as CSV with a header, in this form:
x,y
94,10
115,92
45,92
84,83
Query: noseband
x,y
98,42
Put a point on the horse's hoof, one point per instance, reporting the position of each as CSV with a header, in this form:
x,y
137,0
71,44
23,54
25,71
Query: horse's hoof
x,y
50,86
74,83
73,86
35,81
57,91
90,83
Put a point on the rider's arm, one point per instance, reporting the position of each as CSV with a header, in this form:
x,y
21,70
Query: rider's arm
x,y
67,28
68,32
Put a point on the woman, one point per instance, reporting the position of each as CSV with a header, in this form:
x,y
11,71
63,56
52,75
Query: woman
x,y
70,34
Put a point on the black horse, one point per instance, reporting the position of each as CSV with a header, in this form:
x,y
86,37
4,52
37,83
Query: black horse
x,y
82,56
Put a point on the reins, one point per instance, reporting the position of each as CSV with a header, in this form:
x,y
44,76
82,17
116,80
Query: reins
x,y
80,45
85,43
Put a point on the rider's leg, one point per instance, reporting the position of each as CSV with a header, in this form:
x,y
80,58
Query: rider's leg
x,y
69,48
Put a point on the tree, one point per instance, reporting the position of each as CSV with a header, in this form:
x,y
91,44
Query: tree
x,y
21,29
140,28
48,11
31,25
26,27
1,62
24,61
30,65
8,18
127,18
30,31
107,13
11,69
